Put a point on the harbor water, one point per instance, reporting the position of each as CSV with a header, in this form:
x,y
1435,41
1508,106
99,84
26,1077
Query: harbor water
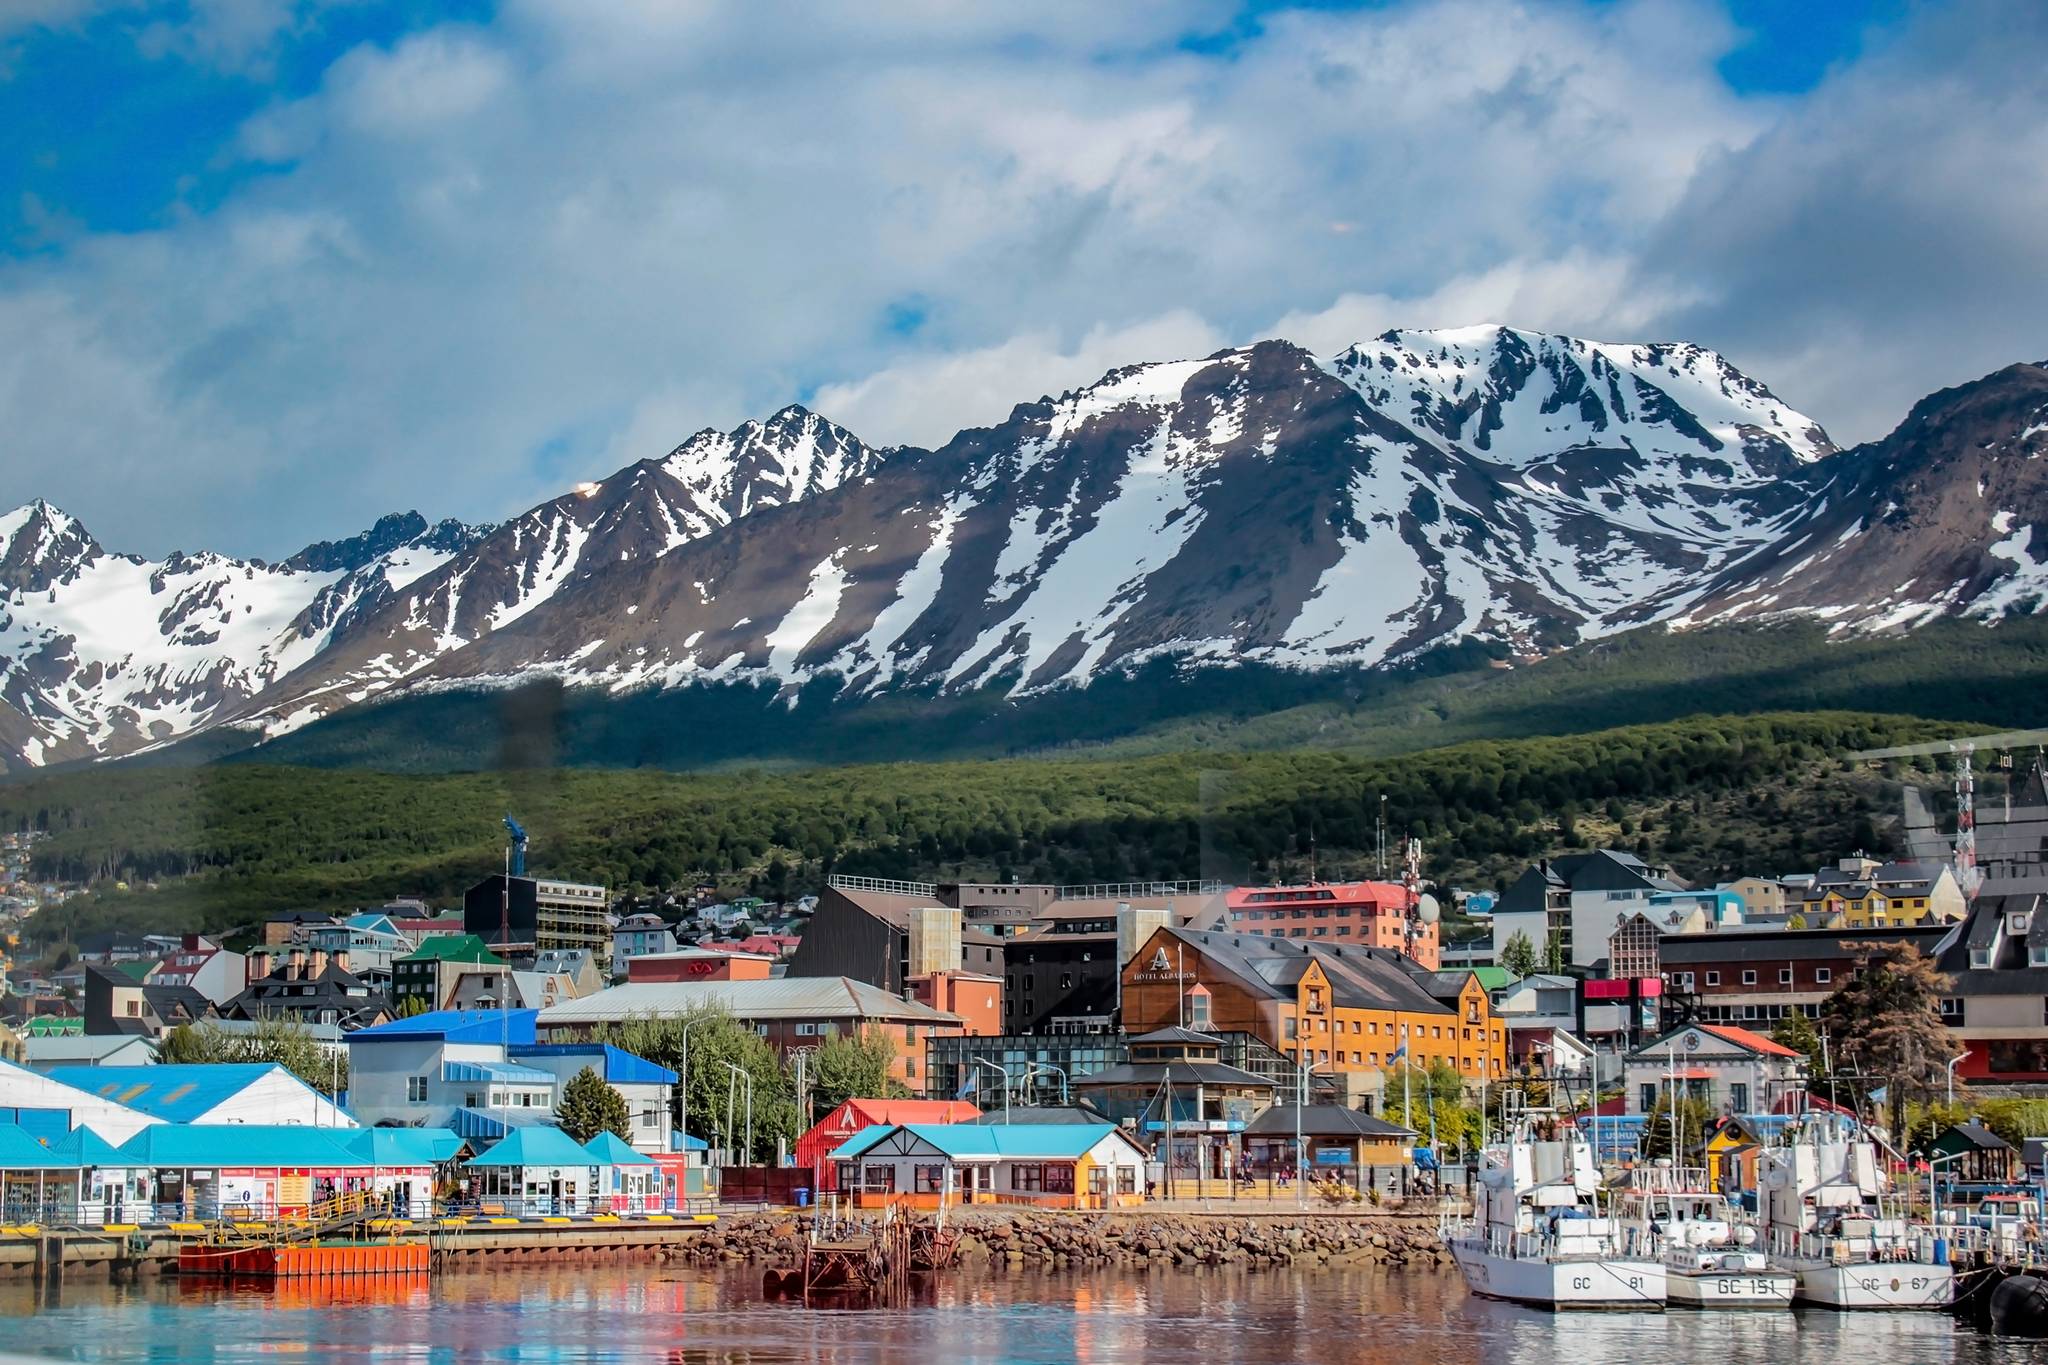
x,y
686,1314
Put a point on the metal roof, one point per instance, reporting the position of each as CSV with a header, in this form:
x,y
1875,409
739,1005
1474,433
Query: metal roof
x,y
476,1123
176,1093
502,1073
609,1149
20,1151
1324,1120
403,1146
990,1142
83,1147
535,1146
788,997
186,1146
454,1026
614,1064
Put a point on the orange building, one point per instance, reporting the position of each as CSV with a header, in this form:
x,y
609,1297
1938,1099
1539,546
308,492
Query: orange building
x,y
1372,914
699,964
1345,1008
978,1000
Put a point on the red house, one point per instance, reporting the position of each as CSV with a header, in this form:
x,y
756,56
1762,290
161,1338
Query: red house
x,y
814,1149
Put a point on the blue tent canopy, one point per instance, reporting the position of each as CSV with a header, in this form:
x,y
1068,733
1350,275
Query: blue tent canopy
x,y
20,1151
404,1146
83,1147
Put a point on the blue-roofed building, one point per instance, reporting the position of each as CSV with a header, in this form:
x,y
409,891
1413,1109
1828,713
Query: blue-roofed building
x,y
1057,1165
536,1170
218,1092
647,1089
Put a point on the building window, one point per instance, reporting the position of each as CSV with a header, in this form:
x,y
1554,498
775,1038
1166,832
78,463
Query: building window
x,y
1198,1013
806,1030
881,1179
1952,1009
1649,1096
1713,978
1059,1178
1823,975
1749,977
415,1088
1028,1177
1738,1097
931,1180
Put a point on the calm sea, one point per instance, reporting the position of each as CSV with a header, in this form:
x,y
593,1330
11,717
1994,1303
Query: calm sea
x,y
688,1315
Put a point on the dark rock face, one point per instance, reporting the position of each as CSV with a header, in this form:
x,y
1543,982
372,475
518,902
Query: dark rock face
x,y
1421,489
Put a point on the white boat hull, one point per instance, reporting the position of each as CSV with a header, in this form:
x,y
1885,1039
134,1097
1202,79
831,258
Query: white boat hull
x,y
1877,1285
1559,1284
1730,1288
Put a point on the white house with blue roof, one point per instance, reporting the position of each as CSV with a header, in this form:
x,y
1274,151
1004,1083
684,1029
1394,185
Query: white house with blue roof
x,y
209,1093
1051,1165
480,1073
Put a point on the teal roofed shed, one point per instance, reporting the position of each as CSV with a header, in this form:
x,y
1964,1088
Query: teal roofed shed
x,y
192,1146
404,1146
21,1152
83,1147
534,1147
988,1142
609,1149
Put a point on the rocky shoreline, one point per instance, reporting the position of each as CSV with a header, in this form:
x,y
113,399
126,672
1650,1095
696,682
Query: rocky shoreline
x,y
1032,1240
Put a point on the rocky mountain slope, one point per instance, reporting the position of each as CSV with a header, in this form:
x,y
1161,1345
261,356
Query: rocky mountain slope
x,y
1261,504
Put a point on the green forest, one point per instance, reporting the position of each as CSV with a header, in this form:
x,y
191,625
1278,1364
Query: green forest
x,y
220,846
1951,670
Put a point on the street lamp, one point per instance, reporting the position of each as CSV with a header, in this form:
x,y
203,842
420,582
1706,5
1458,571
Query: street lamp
x,y
1953,1063
1300,1103
740,1074
1032,1068
683,1108
1004,1072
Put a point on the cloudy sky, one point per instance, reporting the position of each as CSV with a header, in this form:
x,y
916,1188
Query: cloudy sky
x,y
269,268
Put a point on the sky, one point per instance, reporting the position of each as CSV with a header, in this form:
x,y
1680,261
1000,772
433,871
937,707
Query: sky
x,y
272,268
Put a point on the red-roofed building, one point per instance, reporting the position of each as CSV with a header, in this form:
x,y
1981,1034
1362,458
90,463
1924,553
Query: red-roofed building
x,y
814,1149
1733,1070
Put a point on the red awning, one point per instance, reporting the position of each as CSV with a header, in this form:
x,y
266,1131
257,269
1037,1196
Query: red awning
x,y
1693,1075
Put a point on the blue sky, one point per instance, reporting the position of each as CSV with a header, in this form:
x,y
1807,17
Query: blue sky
x,y
269,268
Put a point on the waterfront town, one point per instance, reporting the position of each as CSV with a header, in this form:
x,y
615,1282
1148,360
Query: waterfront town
x,y
523,1062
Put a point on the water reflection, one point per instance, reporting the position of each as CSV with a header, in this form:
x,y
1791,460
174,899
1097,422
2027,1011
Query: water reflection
x,y
692,1316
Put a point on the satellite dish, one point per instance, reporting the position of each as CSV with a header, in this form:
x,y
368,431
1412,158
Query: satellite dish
x,y
1426,909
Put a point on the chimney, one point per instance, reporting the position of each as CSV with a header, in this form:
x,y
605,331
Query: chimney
x,y
295,969
318,964
340,959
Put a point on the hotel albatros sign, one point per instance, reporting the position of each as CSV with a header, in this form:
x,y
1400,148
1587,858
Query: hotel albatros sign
x,y
1163,968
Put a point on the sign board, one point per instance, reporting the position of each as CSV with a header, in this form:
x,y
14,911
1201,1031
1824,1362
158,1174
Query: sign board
x,y
1333,1156
1195,1127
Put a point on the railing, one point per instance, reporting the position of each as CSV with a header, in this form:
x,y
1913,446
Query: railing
x,y
1915,1243
887,886
1105,891
1538,1246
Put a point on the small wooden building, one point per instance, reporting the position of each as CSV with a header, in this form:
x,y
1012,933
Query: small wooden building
x,y
1069,1166
1972,1154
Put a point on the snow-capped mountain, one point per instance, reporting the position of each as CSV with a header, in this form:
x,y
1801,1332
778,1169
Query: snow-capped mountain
x,y
106,653
1259,504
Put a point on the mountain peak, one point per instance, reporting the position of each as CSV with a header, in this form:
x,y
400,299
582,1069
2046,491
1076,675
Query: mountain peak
x,y
41,545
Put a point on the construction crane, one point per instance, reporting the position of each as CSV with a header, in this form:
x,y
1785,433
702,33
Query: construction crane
x,y
517,866
1968,875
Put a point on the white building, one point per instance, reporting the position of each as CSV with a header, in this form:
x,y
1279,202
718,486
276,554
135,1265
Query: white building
x,y
210,1093
1056,1165
1733,1070
38,1101
1575,903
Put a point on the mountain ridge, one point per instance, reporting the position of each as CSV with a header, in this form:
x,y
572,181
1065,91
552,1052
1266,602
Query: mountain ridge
x,y
1261,505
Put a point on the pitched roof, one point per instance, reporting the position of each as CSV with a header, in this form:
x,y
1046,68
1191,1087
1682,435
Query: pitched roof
x,y
402,1146
455,1026
787,997
1755,1042
535,1146
186,1145
454,948
1324,1120
911,1111
609,1149
1273,967
83,1147
994,1141
499,1073
1080,1111
1173,1033
1976,1135
174,1093
615,1065
20,1151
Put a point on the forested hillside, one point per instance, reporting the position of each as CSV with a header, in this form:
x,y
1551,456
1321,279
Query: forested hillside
x,y
225,845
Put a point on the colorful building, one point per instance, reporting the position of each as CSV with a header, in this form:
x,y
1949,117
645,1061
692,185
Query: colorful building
x,y
1338,1009
1067,1166
1375,914
814,1149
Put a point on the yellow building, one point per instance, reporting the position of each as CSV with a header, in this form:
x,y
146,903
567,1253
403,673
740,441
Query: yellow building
x,y
1862,894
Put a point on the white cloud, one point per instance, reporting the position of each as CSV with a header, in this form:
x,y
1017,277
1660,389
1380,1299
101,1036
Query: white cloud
x,y
485,262
923,400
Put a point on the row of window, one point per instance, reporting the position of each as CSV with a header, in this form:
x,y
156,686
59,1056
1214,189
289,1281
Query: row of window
x,y
1686,980
1323,1057
1371,1027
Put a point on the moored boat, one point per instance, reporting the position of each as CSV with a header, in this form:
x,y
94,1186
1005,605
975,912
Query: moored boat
x,y
1710,1254
1829,1217
1539,1233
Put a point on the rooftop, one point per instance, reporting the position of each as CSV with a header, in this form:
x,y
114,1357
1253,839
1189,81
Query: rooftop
x,y
455,1026
789,997
175,1093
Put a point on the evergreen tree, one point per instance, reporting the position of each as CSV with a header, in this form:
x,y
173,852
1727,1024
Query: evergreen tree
x,y
716,1099
1693,1121
589,1106
1887,1020
1518,955
1797,1032
1553,954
